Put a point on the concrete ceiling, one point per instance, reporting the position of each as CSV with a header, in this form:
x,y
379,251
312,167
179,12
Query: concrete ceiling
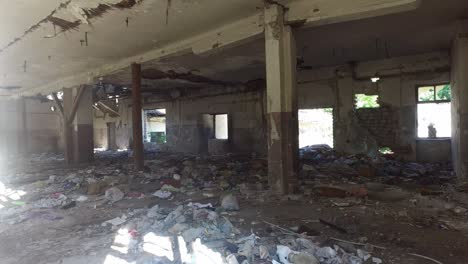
x,y
52,44
426,29
429,28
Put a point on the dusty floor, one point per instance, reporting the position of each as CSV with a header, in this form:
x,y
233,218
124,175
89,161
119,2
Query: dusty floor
x,y
54,214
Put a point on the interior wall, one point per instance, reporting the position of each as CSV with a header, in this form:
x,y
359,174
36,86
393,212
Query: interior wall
x,y
123,126
331,87
459,84
184,121
29,126
392,125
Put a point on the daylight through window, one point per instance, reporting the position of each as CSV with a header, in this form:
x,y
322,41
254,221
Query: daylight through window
x,y
434,111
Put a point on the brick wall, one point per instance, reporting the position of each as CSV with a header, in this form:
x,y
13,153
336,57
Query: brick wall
x,y
382,124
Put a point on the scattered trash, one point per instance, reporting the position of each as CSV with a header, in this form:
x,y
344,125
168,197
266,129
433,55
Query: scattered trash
x,y
229,202
114,194
116,221
81,198
162,194
68,205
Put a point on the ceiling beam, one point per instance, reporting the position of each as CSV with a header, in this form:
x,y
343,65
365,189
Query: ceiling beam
x,y
301,13
322,12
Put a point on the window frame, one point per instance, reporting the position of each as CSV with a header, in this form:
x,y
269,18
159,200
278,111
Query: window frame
x,y
418,138
435,93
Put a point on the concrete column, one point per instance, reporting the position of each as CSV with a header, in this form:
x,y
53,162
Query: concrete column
x,y
136,117
281,101
67,128
459,84
78,125
83,127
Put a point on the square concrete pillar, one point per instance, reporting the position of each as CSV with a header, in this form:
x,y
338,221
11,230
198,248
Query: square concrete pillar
x,y
281,101
83,128
459,84
78,128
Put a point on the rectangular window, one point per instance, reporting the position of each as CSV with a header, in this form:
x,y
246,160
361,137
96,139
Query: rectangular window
x,y
366,101
436,93
434,111
221,126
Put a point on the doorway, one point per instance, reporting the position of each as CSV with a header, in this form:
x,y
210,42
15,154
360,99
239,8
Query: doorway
x,y
111,137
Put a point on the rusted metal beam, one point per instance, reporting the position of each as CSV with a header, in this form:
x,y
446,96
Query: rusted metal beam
x,y
136,108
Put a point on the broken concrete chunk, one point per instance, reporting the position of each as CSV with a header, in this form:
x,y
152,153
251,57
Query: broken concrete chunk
x,y
162,194
114,194
191,234
283,254
231,259
302,258
178,228
264,253
229,202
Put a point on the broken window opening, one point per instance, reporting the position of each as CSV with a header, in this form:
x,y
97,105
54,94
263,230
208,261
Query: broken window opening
x,y
315,127
366,101
154,126
221,126
434,111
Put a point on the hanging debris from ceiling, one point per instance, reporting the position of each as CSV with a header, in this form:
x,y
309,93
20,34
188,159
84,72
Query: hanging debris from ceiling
x,y
71,14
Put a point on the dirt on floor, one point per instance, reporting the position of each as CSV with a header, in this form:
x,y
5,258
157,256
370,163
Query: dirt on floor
x,y
196,209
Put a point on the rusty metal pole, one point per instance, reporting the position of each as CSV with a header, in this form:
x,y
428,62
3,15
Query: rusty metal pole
x,y
137,126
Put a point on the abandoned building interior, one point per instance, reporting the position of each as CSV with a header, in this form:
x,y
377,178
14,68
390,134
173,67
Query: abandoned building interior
x,y
242,131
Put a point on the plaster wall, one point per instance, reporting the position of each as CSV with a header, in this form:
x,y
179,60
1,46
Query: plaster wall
x,y
325,87
29,126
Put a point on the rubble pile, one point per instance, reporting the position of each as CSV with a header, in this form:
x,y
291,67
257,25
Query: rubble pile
x,y
323,161
202,209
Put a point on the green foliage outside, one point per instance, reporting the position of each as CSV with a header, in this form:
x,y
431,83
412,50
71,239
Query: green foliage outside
x,y
427,95
367,101
445,93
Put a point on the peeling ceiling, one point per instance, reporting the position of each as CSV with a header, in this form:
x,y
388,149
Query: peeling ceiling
x,y
68,38
42,41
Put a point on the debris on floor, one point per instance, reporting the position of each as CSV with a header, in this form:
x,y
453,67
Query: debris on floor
x,y
193,209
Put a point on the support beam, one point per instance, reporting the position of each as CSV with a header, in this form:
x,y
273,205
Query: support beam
x,y
136,108
75,105
77,123
82,119
300,12
67,128
459,84
281,101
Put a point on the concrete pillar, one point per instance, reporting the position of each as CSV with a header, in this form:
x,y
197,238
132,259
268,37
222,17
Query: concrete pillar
x,y
459,84
83,127
281,101
136,117
67,128
78,126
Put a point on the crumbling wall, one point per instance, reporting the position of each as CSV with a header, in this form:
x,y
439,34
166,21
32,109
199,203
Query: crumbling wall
x,y
184,120
392,125
29,126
